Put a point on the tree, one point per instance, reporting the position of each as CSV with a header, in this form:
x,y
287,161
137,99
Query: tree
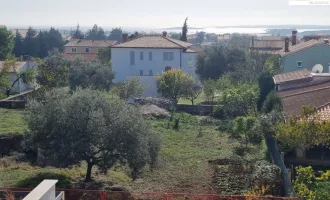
x,y
130,89
303,132
77,33
193,91
176,36
104,55
184,31
116,34
53,71
211,64
55,40
6,43
19,45
210,90
31,45
266,85
90,74
173,83
26,75
87,126
244,125
241,99
134,35
273,101
42,42
96,33
4,80
200,37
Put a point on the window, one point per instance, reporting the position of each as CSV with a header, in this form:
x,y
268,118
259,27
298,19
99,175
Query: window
x,y
141,72
150,73
150,56
168,56
299,64
87,50
190,63
74,50
141,55
132,58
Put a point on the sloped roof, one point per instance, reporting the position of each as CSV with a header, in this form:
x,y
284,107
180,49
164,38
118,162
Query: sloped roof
x,y
154,41
302,46
90,43
295,99
292,76
269,44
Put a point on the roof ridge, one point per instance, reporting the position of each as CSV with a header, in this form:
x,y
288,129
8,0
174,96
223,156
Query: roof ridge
x,y
171,40
294,94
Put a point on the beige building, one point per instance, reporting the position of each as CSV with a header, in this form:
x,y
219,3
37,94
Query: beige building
x,y
87,49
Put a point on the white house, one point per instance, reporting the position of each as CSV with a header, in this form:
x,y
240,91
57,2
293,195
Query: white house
x,y
147,56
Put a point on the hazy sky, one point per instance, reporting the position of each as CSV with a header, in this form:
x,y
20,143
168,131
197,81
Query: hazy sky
x,y
158,13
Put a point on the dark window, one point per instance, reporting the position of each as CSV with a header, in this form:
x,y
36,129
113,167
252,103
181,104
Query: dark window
x,y
141,55
74,50
87,50
150,56
141,72
132,58
299,64
150,73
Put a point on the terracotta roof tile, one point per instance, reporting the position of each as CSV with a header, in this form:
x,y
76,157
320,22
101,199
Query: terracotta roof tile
x,y
84,56
91,43
295,99
292,76
154,41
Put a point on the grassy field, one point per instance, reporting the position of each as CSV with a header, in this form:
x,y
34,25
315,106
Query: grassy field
x,y
11,121
183,161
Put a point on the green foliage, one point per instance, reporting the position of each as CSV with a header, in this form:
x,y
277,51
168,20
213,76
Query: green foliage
x,y
48,41
184,31
90,74
210,90
211,64
96,33
116,34
226,126
31,46
64,180
173,83
266,85
86,125
303,182
273,101
273,64
240,41
154,145
305,132
241,99
77,33
19,45
200,37
130,89
53,71
6,43
193,91
104,55
247,126
174,35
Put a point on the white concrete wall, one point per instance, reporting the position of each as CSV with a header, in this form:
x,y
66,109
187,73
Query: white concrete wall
x,y
189,63
150,84
120,58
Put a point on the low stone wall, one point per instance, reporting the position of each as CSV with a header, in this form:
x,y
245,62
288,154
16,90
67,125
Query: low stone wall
x,y
12,104
195,109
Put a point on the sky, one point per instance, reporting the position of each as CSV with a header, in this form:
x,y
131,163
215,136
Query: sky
x,y
158,13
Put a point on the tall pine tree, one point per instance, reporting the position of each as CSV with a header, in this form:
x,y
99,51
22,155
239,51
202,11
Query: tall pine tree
x,y
6,43
77,34
184,31
31,43
19,45
96,33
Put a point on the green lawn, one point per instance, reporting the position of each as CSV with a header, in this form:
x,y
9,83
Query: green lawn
x,y
201,98
183,160
11,121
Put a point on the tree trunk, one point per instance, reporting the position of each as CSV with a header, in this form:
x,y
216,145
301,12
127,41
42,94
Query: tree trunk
x,y
192,101
89,171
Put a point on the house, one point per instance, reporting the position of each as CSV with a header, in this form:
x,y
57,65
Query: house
x,y
149,55
312,55
19,86
87,49
267,44
223,39
303,88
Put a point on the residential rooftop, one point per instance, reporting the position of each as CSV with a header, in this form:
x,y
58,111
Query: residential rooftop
x,y
90,43
292,76
303,46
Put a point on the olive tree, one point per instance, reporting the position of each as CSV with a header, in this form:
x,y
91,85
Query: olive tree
x,y
86,125
129,89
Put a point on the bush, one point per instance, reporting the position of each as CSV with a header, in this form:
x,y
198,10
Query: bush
x,y
64,180
154,144
265,173
226,126
273,101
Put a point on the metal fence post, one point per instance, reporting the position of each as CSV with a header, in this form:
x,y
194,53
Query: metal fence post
x,y
103,195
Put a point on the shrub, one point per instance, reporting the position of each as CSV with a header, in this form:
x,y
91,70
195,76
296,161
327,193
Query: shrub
x,y
226,126
154,145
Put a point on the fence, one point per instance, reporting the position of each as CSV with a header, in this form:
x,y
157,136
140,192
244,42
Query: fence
x,y
76,194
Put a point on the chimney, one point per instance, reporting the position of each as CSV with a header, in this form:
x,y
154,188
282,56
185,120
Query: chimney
x,y
286,45
164,33
294,37
125,37
326,41
252,42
